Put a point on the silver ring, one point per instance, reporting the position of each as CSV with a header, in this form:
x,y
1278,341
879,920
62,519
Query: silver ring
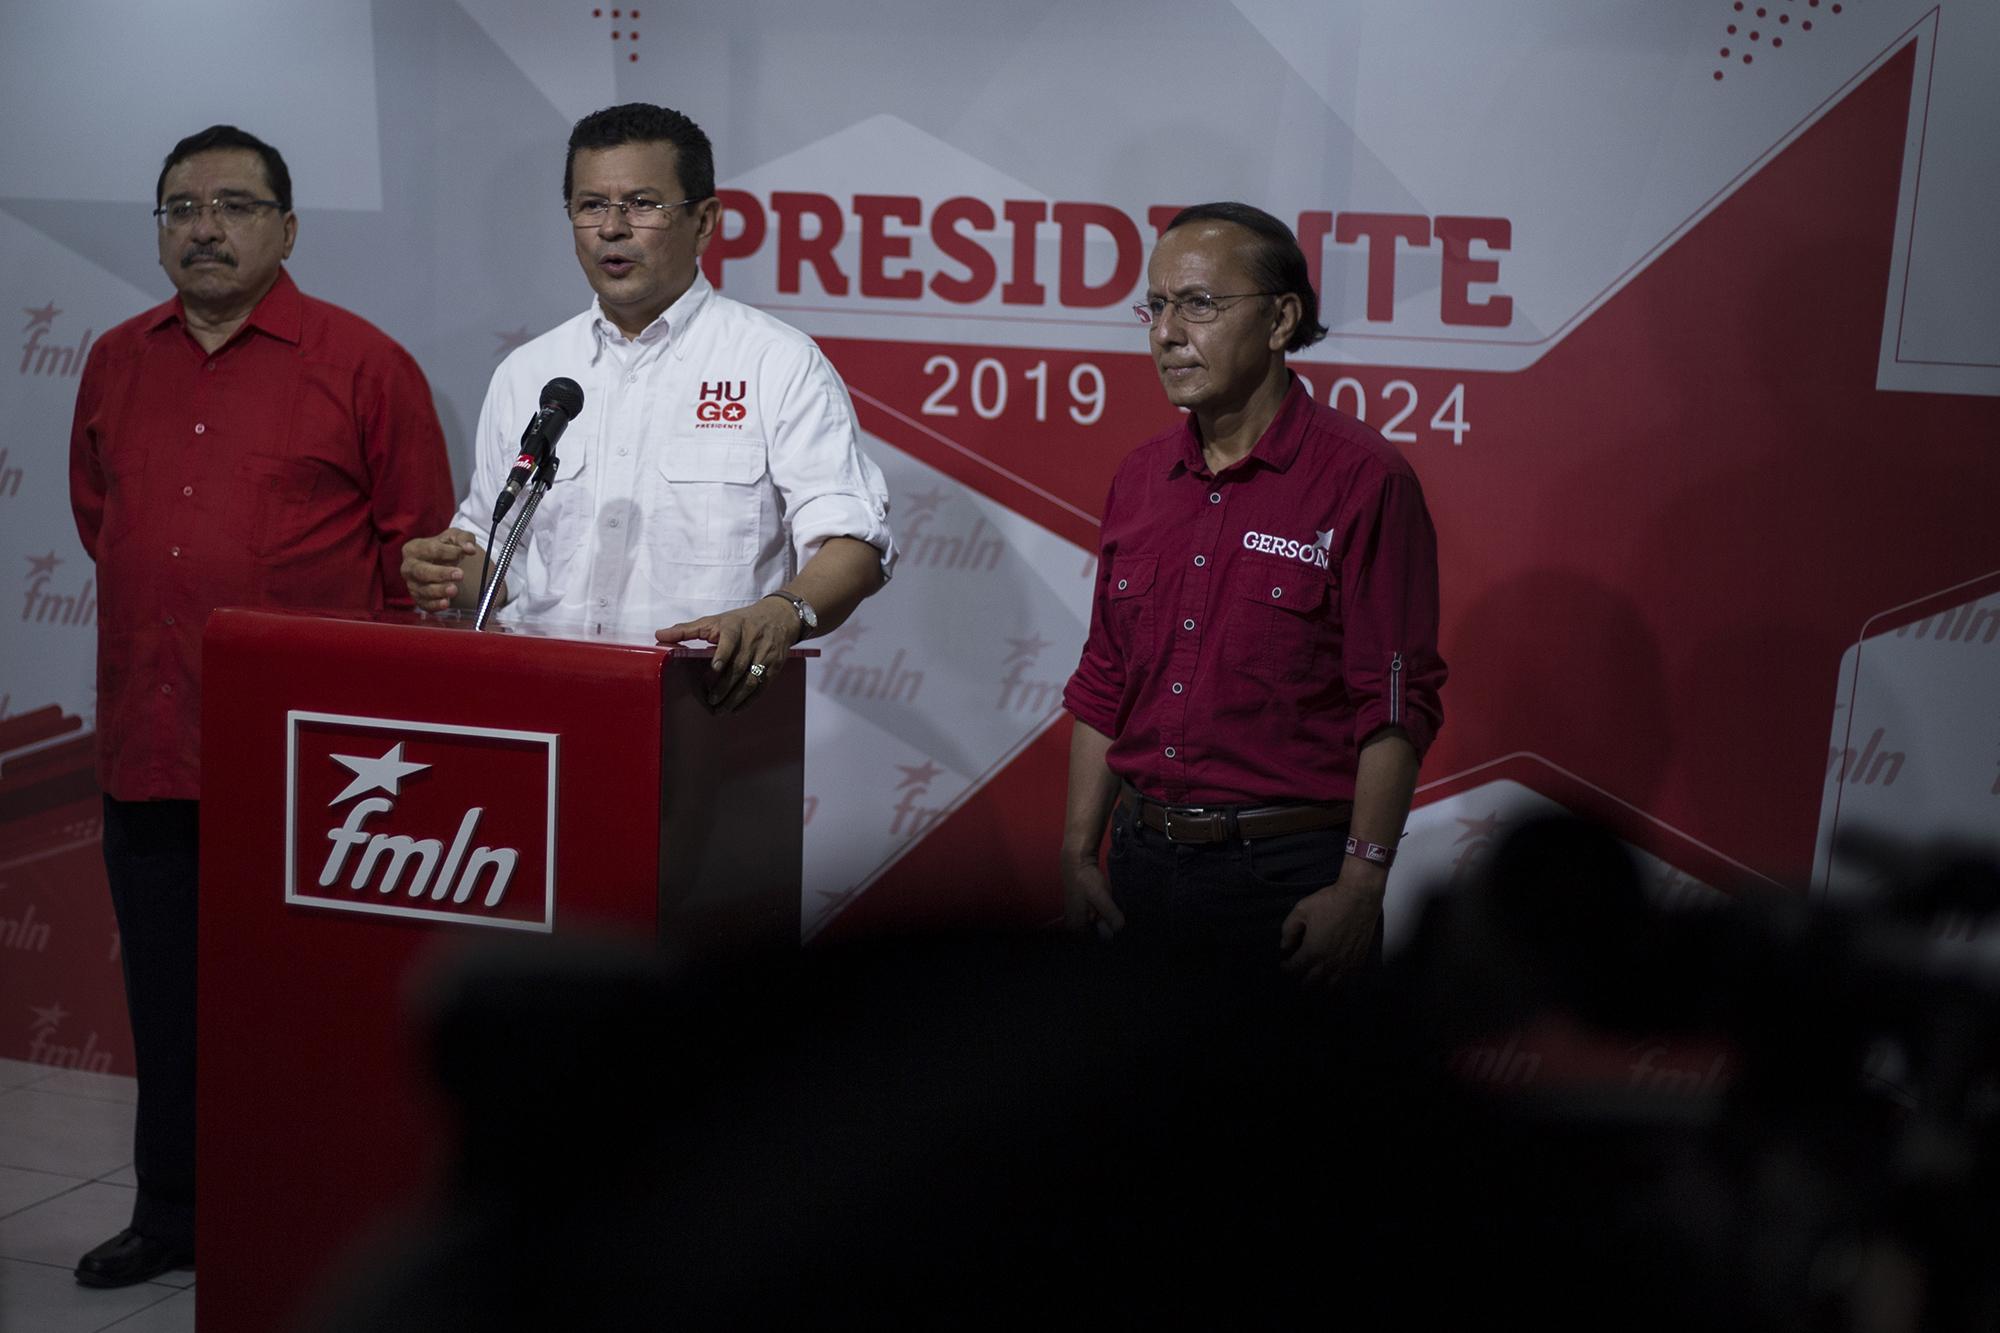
x,y
757,669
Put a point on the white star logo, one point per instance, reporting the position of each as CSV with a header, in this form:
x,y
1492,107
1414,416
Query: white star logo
x,y
1325,542
384,774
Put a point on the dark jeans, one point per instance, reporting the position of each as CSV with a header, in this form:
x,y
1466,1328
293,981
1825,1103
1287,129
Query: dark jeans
x,y
1218,904
152,857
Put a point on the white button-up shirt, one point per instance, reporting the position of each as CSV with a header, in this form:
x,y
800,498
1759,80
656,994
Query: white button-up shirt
x,y
714,454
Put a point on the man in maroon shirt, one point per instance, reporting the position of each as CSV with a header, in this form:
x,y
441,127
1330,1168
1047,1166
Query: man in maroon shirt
x,y
240,445
1262,674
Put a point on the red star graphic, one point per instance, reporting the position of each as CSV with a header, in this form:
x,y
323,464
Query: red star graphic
x,y
1025,650
925,502
43,564
509,340
1479,828
50,1016
44,317
917,775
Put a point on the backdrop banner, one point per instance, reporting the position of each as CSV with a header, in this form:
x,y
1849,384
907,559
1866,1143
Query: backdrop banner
x,y
1688,317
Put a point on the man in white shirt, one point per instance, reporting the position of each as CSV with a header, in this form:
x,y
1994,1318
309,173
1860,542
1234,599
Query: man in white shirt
x,y
714,477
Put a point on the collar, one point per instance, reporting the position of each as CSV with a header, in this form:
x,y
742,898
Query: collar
x,y
671,326
1275,448
280,313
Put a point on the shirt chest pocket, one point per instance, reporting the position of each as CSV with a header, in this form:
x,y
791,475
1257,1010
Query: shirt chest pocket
x,y
715,506
561,530
1280,627
283,493
1129,603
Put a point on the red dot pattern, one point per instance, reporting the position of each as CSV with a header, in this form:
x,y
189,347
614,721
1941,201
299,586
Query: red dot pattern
x,y
622,34
1777,42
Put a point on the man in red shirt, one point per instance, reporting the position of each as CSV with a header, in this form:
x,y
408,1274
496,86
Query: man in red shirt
x,y
1262,674
241,445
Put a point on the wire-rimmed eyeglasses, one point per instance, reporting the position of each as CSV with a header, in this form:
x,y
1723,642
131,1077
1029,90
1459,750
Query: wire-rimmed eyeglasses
x,y
1196,308
231,210
590,211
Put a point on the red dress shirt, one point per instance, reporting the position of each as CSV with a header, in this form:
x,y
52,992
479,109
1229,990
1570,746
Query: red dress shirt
x,y
1252,628
287,469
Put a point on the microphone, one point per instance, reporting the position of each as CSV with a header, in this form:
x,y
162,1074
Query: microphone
x,y
562,399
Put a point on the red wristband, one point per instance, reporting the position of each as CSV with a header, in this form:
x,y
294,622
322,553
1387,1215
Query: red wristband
x,y
1372,851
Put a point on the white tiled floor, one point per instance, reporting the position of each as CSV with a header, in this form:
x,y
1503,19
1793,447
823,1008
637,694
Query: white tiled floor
x,y
66,1184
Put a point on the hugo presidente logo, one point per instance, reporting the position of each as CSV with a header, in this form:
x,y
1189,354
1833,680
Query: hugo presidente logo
x,y
721,405
441,823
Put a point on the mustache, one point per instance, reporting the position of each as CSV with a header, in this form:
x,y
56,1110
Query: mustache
x,y
194,254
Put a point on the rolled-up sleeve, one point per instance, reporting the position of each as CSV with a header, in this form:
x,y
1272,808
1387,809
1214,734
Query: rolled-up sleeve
x,y
1095,694
1389,613
830,487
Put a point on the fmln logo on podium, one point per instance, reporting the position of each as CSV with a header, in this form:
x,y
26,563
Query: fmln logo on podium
x,y
416,819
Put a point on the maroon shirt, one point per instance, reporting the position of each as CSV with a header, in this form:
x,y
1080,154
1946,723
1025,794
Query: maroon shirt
x,y
1251,628
285,469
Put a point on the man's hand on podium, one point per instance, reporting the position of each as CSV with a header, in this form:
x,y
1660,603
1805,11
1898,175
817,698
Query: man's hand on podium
x,y
750,647
443,571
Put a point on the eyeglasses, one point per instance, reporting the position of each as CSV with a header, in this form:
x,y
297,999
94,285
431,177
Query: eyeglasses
x,y
590,212
233,211
1199,308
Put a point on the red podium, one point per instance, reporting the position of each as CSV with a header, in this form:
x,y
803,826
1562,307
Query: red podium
x,y
379,789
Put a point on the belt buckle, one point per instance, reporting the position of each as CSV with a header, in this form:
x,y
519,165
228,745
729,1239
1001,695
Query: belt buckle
x,y
1167,817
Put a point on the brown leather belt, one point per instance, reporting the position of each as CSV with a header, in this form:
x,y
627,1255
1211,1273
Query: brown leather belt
x,y
1225,823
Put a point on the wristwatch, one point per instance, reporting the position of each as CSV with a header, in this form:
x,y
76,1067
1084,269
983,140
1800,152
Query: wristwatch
x,y
808,618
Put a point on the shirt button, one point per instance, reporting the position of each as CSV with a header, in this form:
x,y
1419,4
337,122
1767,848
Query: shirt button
x,y
621,451
1170,752
604,601
187,490
1215,497
1200,560
169,689
210,367
1277,592
1178,687
200,429
176,552
1121,585
1187,624
611,523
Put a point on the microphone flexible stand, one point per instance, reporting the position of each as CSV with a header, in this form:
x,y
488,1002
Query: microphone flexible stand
x,y
538,486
